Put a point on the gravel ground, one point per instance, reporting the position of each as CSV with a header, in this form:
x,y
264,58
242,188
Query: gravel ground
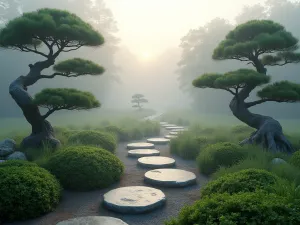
x,y
76,204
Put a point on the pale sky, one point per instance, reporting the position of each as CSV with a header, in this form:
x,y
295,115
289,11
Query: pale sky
x,y
149,27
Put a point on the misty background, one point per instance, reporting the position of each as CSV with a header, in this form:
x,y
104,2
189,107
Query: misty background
x,y
155,48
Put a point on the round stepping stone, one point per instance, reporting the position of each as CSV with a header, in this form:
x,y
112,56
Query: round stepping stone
x,y
170,177
170,136
156,162
169,125
174,133
140,145
179,130
93,220
174,128
137,153
134,199
158,141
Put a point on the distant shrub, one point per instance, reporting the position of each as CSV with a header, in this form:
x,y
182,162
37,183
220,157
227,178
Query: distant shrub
x,y
27,191
248,180
96,138
187,146
121,134
221,154
242,129
85,168
295,159
239,209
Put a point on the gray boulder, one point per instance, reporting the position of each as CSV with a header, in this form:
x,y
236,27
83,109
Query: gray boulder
x,y
7,147
278,161
17,155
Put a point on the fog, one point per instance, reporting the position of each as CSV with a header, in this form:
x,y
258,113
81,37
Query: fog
x,y
144,44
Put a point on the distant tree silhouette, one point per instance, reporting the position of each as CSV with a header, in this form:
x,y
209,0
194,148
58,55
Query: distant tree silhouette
x,y
138,100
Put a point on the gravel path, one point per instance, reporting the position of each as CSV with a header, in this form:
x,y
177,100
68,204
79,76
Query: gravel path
x,y
76,204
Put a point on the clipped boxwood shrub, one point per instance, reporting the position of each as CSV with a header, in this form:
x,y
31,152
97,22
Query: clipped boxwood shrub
x,y
85,168
295,159
220,154
26,191
248,180
96,138
239,209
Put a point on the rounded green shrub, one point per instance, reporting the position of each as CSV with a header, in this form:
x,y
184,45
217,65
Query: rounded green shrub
x,y
239,209
221,154
248,180
27,191
96,138
295,159
85,168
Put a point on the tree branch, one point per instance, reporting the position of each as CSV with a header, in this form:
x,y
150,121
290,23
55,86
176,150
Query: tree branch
x,y
230,91
62,74
26,49
49,113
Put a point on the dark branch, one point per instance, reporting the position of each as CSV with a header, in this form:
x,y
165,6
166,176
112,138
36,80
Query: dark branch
x,y
49,112
227,89
26,49
250,104
61,74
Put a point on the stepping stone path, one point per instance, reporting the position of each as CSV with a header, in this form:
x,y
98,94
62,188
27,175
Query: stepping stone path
x,y
156,162
134,200
137,153
158,141
168,125
175,128
170,177
170,136
140,145
93,220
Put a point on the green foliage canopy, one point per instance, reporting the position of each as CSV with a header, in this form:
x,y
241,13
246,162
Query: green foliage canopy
x,y
76,67
51,27
234,79
257,37
65,98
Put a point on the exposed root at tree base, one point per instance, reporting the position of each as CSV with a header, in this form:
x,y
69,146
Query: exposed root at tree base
x,y
270,137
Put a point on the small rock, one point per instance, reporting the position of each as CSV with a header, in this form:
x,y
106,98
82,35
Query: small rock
x,y
278,161
17,155
7,147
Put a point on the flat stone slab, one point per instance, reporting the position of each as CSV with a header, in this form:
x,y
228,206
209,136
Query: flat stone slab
x,y
174,133
174,128
158,141
163,123
140,145
179,130
170,177
156,162
93,220
134,199
137,153
169,125
170,136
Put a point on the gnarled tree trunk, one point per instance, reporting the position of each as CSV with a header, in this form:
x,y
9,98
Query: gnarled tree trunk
x,y
42,131
268,132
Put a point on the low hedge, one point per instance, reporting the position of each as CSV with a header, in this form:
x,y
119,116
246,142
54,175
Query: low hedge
x,y
248,180
221,154
84,168
27,191
95,138
239,209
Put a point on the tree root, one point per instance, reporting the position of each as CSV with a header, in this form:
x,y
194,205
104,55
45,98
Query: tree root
x,y
270,137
